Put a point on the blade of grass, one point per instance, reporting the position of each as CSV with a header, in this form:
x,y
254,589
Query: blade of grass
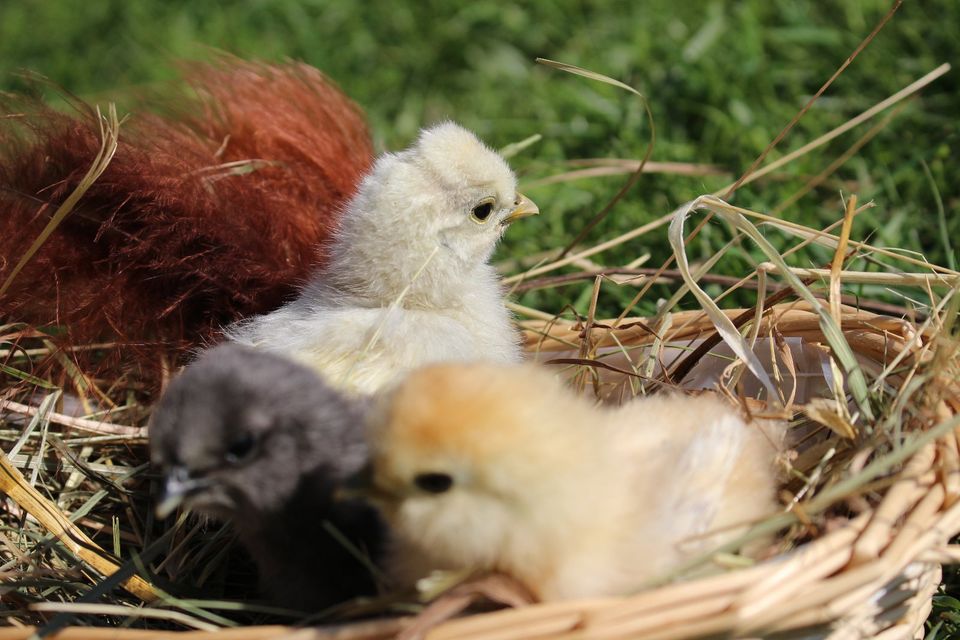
x,y
724,325
26,377
374,334
860,143
109,136
941,218
831,330
829,496
600,215
617,168
838,257
870,277
752,170
41,417
125,611
836,74
50,517
516,147
790,157
105,586
881,106
81,424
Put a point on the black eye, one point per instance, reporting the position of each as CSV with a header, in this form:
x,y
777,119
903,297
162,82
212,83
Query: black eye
x,y
433,482
482,211
240,449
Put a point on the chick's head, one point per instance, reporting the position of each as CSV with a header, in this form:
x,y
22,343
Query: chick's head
x,y
466,460
239,428
436,209
474,191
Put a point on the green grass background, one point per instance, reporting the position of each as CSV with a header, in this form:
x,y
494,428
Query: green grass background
x,y
722,79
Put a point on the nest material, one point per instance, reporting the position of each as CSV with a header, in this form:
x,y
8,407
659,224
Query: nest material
x,y
864,558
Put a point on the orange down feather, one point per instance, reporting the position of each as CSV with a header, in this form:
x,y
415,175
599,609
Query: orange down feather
x,y
215,210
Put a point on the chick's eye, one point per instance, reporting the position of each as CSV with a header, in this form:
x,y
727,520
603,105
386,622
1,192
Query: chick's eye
x,y
481,212
240,449
433,482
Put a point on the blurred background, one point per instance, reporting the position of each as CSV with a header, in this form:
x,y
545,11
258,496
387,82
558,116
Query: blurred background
x,y
722,80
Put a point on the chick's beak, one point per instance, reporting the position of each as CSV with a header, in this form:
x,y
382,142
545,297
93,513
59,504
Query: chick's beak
x,y
524,208
360,485
177,487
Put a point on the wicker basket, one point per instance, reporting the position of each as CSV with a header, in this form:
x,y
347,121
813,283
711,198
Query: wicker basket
x,y
871,575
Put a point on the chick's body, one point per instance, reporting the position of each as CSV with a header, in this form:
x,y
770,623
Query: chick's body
x,y
571,499
259,440
408,281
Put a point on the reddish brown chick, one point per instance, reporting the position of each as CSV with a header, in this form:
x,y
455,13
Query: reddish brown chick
x,y
213,211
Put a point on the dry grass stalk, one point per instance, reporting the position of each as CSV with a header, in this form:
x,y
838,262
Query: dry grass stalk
x,y
602,167
373,630
839,255
81,424
109,135
16,487
871,277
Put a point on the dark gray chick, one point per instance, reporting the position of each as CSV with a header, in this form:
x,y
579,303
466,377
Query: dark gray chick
x,y
257,439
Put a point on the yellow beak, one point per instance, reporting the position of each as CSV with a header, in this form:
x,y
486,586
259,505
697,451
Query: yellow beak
x,y
525,207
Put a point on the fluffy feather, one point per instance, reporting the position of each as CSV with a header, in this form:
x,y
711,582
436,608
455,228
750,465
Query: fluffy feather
x,y
408,280
213,211
503,468
261,441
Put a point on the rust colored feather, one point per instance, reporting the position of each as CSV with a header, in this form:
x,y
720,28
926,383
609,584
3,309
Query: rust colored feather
x,y
214,207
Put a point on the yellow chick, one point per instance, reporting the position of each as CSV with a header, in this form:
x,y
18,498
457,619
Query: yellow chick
x,y
408,280
499,467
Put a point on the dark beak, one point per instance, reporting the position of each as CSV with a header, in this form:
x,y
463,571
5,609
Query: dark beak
x,y
356,485
360,485
177,487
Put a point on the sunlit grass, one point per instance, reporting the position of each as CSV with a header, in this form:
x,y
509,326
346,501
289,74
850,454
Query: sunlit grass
x,y
721,81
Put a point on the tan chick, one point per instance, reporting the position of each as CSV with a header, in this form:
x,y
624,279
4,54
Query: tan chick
x,y
499,467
